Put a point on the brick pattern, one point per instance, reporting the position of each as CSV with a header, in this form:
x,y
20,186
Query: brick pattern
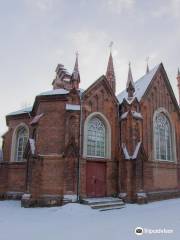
x,y
52,172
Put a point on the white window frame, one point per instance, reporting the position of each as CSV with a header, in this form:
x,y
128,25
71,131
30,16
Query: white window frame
x,y
173,158
94,129
24,140
14,141
107,126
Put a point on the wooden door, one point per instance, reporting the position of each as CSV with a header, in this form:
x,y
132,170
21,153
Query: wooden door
x,y
96,179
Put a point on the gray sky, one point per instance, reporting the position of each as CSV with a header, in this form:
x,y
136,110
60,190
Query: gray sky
x,y
36,35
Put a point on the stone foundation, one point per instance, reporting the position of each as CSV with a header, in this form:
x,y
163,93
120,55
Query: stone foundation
x,y
163,195
42,201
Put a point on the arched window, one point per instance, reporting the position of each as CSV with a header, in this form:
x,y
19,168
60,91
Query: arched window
x,y
96,138
21,141
163,137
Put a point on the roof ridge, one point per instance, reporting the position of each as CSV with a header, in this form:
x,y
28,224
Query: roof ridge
x,y
150,71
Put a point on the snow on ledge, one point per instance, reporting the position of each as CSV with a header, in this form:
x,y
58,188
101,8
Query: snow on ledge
x,y
123,195
70,197
26,196
125,151
126,154
141,194
136,150
136,114
73,107
124,115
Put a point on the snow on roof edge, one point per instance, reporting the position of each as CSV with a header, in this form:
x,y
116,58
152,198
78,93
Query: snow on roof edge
x,y
140,85
21,111
59,91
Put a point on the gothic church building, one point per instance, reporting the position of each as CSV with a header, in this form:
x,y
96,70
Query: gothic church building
x,y
94,143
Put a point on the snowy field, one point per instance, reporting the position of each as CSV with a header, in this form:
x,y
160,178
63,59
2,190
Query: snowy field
x,y
74,221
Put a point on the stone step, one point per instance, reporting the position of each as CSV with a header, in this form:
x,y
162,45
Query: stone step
x,y
90,201
111,208
106,202
106,205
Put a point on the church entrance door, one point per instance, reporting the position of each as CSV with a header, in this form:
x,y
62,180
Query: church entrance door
x,y
96,179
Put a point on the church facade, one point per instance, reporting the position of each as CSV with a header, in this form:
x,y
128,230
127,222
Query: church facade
x,y
75,143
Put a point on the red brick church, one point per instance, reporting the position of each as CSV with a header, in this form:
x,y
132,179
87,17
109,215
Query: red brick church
x,y
94,143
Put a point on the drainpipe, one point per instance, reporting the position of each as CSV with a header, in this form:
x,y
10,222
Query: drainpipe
x,y
28,161
79,153
119,149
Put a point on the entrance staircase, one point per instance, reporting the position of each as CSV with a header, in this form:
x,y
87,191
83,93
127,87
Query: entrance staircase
x,y
104,204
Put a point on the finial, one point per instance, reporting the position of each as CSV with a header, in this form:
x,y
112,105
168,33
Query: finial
x,y
110,74
76,62
130,87
111,45
147,67
75,74
178,72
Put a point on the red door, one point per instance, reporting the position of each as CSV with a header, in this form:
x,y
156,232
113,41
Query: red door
x,y
96,179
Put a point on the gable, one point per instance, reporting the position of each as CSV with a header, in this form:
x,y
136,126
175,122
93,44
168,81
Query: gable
x,y
160,89
100,85
145,83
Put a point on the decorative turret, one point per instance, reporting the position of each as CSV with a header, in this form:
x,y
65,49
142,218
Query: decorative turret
x,y
110,75
130,87
75,78
178,80
131,128
62,79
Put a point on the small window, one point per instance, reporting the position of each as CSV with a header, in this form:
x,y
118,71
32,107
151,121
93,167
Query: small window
x,y
163,138
21,141
96,138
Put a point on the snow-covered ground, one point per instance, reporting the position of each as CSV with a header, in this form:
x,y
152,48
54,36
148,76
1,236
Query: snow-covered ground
x,y
74,221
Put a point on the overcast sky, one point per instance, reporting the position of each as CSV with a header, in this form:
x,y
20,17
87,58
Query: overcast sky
x,y
36,35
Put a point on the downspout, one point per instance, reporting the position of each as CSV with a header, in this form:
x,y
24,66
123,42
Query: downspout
x,y
79,153
119,149
28,161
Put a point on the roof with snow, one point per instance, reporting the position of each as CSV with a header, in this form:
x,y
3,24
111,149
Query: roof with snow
x,y
140,85
21,111
59,91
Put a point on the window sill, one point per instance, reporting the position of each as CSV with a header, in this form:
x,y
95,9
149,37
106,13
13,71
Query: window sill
x,y
17,162
96,159
164,161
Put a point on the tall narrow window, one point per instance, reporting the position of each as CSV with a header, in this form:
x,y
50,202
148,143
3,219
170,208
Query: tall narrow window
x,y
96,138
21,141
163,139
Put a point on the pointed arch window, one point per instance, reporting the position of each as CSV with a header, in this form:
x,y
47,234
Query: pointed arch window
x,y
96,138
21,141
163,138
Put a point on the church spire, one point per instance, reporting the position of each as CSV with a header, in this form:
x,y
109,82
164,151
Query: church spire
x,y
110,75
75,78
130,87
178,81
